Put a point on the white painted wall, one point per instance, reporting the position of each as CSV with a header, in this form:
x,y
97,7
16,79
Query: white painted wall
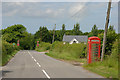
x,y
71,42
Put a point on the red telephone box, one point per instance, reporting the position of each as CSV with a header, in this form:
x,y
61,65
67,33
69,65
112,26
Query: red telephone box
x,y
93,52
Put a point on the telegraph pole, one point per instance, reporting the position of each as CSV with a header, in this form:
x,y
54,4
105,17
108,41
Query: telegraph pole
x,y
54,34
106,28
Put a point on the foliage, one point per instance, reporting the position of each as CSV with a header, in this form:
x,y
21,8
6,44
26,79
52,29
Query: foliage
x,y
18,32
13,33
64,51
27,42
94,30
43,46
62,32
8,50
115,53
76,29
111,37
43,34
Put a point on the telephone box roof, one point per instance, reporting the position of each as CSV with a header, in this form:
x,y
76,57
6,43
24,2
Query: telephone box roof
x,y
93,37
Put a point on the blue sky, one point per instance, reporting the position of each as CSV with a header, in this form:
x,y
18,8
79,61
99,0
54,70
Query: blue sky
x,y
35,14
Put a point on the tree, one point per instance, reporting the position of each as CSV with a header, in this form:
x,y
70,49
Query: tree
x,y
111,37
43,34
62,32
13,33
76,30
28,42
94,30
63,28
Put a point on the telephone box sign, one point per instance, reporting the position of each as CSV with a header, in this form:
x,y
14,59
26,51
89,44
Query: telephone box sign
x,y
93,52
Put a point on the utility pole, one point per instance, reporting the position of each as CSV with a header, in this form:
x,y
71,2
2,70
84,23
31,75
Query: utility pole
x,y
106,28
54,34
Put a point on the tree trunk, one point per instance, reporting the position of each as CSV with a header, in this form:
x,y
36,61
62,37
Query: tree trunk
x,y
54,34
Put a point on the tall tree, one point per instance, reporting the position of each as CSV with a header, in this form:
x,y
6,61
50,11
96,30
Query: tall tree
x,y
13,33
76,30
106,28
63,28
43,34
94,30
62,32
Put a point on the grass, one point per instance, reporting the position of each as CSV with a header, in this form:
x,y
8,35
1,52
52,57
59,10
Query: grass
x,y
106,68
77,52
103,70
65,56
7,58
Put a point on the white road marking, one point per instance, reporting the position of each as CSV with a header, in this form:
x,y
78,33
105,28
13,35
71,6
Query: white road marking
x,y
35,60
38,64
46,74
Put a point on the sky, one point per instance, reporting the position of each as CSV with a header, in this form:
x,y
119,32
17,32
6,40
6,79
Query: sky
x,y
35,14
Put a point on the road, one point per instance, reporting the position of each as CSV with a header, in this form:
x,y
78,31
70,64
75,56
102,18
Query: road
x,y
33,64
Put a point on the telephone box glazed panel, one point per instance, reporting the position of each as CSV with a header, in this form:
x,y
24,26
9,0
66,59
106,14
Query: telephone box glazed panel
x,y
93,52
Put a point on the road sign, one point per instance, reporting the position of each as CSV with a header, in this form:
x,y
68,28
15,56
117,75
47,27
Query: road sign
x,y
37,43
18,43
13,44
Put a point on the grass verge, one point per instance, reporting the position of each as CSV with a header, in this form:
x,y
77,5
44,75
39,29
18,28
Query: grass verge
x,y
7,58
104,69
65,56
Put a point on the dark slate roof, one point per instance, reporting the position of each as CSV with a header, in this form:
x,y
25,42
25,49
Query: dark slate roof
x,y
68,38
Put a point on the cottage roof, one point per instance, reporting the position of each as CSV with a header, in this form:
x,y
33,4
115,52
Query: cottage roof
x,y
68,38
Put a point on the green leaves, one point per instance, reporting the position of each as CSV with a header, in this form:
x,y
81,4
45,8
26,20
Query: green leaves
x,y
94,30
18,32
13,33
76,30
43,34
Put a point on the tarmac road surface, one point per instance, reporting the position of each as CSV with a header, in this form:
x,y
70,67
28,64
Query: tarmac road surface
x,y
33,64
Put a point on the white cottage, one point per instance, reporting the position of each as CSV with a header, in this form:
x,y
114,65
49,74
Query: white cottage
x,y
75,39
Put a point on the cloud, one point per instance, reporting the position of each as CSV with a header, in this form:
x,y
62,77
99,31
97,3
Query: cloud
x,y
48,11
31,9
76,7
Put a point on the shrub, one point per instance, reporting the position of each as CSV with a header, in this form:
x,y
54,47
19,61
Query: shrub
x,y
64,50
8,51
43,46
71,50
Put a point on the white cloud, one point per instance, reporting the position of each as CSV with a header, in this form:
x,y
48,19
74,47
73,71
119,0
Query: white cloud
x,y
48,11
32,9
76,7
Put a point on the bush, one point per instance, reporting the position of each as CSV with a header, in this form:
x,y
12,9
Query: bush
x,y
64,51
73,50
43,46
8,51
